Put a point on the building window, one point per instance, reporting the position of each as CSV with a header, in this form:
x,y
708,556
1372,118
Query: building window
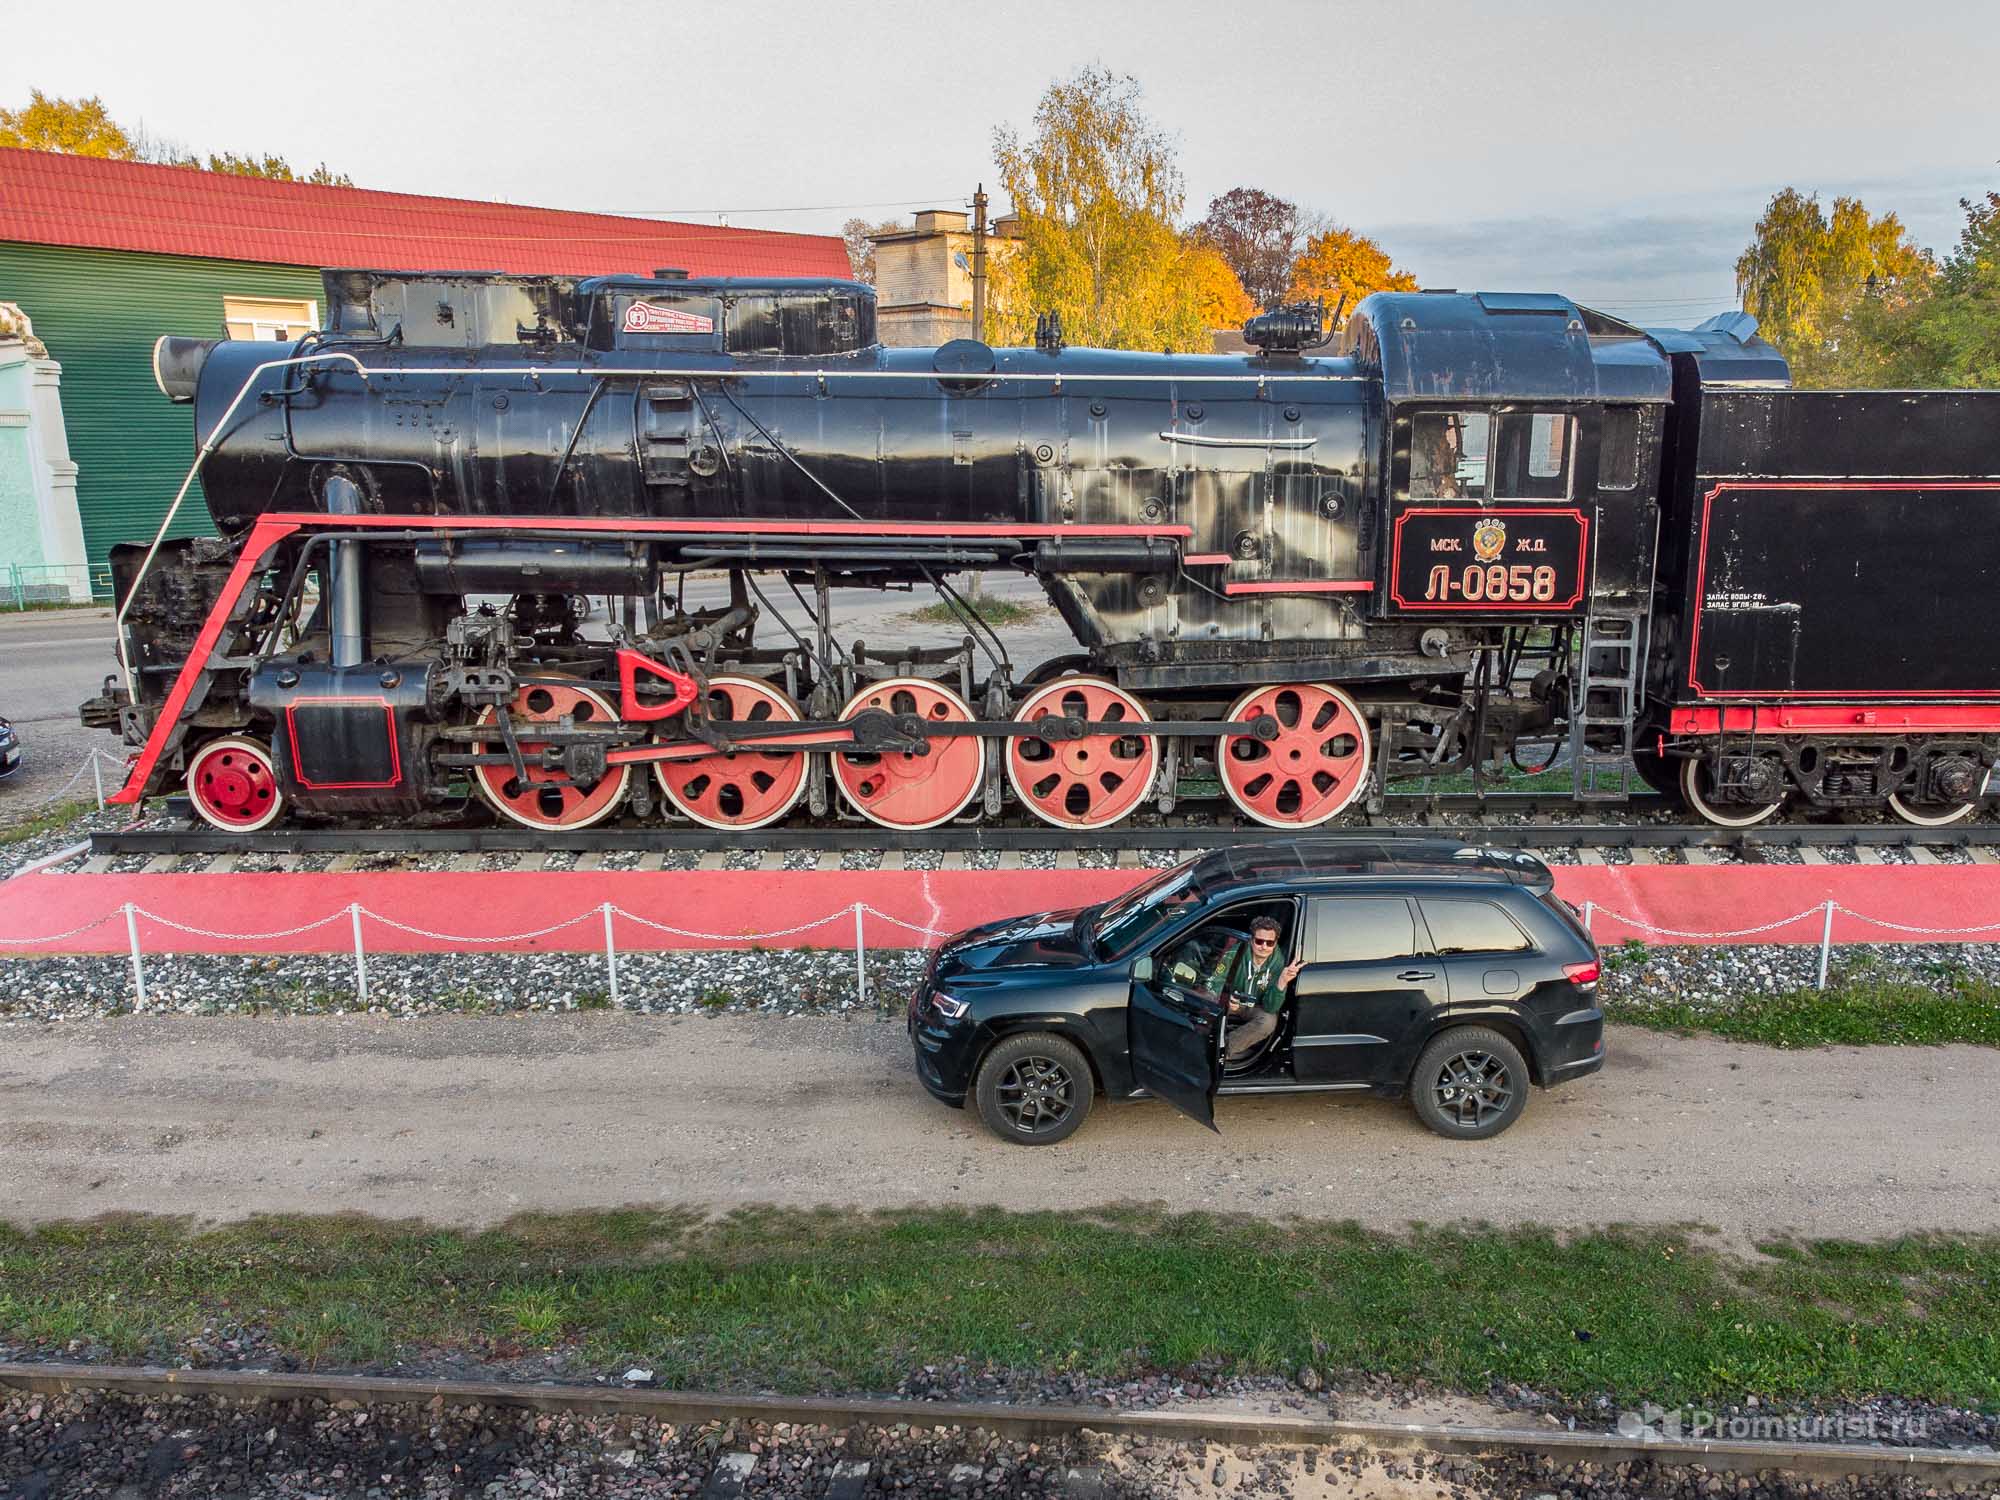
x,y
268,319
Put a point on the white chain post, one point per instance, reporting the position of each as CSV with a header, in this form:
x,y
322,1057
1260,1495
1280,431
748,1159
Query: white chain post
x,y
1825,944
610,956
360,958
97,774
138,968
860,961
1589,916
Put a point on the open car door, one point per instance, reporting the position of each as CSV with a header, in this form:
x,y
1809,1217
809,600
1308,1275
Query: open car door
x,y
1176,1029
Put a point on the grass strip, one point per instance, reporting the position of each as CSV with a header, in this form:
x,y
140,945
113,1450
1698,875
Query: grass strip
x,y
33,825
1859,1007
993,611
837,1300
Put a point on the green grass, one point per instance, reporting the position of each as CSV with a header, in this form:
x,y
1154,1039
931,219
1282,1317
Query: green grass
x,y
1859,1007
50,818
993,611
838,1300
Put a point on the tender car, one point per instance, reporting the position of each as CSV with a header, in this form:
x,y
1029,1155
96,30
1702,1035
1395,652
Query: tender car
x,y
10,750
1446,973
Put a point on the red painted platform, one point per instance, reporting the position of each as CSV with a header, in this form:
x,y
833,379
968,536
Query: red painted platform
x,y
255,913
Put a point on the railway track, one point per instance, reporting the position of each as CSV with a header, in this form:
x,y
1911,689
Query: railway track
x,y
890,1446
1536,826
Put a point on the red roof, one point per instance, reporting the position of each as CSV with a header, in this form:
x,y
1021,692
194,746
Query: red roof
x,y
51,199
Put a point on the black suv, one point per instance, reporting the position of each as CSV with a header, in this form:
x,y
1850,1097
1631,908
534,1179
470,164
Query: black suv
x,y
1449,972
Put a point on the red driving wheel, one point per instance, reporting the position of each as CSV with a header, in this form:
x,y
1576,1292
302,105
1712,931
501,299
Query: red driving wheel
x,y
547,798
745,788
905,789
1091,782
234,786
1316,765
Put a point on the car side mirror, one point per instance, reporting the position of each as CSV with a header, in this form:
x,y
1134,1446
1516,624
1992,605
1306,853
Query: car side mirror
x,y
1142,971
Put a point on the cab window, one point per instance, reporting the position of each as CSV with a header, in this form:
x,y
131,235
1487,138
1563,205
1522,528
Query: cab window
x,y
1618,449
1531,455
1359,929
1472,927
1448,455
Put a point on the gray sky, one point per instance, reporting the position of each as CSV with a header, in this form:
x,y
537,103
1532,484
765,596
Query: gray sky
x,y
1617,153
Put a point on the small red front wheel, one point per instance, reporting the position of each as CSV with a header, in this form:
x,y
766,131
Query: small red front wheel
x,y
234,785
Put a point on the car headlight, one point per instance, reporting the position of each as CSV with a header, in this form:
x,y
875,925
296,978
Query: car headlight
x,y
949,1006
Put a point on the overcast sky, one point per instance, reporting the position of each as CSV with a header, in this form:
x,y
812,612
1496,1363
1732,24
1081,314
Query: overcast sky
x,y
1618,153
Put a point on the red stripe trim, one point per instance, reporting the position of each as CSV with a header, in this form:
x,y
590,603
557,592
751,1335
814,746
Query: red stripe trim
x,y
1838,718
1208,559
317,522
1701,580
1323,586
395,750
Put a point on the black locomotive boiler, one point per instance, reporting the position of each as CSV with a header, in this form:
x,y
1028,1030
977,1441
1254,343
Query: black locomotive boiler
x,y
1497,521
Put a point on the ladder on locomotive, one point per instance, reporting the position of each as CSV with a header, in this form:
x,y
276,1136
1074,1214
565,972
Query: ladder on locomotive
x,y
1603,701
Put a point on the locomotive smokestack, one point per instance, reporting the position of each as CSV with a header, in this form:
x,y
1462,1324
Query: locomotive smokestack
x,y
177,365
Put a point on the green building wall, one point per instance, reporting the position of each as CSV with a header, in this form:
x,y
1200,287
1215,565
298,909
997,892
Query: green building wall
x,y
99,312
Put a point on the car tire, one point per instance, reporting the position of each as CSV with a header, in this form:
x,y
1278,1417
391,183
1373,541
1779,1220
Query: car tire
x,y
1023,1078
1438,1083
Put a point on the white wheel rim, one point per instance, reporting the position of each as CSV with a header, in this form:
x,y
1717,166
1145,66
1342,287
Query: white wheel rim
x,y
843,769
618,775
784,711
1690,787
1047,700
247,747
1909,814
1363,752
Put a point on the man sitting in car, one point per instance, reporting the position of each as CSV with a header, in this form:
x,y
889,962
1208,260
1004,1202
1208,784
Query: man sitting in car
x,y
1254,987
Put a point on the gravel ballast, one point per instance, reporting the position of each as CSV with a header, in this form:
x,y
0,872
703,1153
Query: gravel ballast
x,y
132,1446
809,981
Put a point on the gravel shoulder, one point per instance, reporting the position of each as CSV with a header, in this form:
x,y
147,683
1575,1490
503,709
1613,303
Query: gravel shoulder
x,y
468,1120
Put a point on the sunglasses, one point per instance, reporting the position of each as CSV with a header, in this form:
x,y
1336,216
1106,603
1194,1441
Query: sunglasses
x,y
1257,942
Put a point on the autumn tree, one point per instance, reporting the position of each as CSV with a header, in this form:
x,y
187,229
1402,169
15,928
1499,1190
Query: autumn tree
x,y
76,127
1098,192
1950,336
1257,233
1832,291
1339,265
1220,298
83,127
860,249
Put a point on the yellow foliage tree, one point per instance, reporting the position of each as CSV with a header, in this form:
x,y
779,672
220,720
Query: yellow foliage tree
x,y
77,127
1824,288
1214,286
1339,263
1097,192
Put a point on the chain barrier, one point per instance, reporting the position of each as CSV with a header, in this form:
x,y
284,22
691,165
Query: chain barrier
x,y
92,762
354,912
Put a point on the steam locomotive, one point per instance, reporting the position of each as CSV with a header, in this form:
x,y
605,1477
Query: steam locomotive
x,y
1496,528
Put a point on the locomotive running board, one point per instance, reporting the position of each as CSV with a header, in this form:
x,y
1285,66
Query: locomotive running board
x,y
269,530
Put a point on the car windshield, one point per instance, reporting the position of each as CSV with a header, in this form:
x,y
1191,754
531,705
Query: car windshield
x,y
1138,914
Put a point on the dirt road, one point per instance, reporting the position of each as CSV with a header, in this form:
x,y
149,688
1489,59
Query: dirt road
x,y
470,1119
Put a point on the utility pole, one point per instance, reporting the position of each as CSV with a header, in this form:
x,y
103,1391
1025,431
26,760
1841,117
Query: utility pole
x,y
979,262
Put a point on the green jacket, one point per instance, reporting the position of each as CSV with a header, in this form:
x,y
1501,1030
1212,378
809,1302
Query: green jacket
x,y
1253,981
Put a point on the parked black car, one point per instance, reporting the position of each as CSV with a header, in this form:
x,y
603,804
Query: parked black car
x,y
1450,973
10,750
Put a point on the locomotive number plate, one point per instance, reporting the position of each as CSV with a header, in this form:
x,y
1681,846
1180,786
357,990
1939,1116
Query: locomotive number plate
x,y
1465,558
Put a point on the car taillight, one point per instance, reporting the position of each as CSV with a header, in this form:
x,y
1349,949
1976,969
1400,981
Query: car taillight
x,y
1583,975
949,1006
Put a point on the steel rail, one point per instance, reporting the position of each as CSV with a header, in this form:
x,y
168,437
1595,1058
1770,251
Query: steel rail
x,y
194,838
685,1408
